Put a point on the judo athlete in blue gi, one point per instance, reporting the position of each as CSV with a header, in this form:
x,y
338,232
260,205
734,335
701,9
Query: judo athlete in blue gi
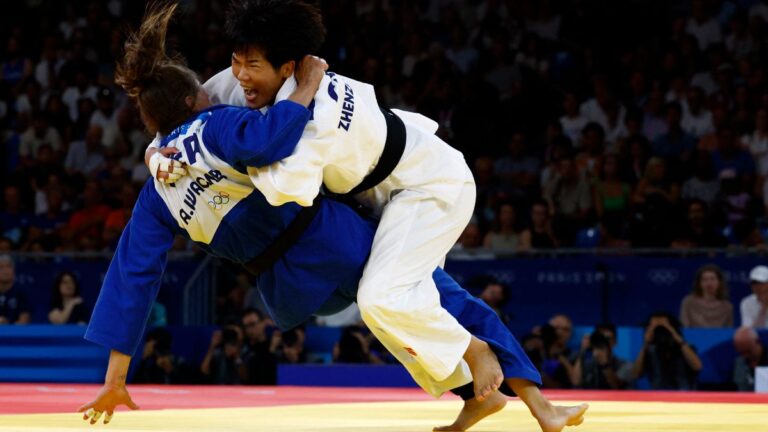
x,y
308,260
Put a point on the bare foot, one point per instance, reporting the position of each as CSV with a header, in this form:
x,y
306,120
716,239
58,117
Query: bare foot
x,y
557,418
486,372
474,411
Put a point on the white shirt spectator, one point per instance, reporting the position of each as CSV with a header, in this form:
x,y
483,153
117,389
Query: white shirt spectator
x,y
572,127
593,112
73,94
698,125
80,160
706,33
706,81
42,72
751,311
109,126
757,144
30,142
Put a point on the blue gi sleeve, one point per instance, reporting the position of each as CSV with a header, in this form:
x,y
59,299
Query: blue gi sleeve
x,y
133,278
242,136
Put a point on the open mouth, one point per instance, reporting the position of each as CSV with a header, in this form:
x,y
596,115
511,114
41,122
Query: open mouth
x,y
250,95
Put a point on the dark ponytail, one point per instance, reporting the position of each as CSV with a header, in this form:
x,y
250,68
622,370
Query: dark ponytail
x,y
159,84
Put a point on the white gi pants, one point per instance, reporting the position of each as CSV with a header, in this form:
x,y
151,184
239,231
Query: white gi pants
x,y
397,296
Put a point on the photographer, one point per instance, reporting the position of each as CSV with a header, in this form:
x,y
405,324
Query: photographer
x,y
596,367
223,363
667,360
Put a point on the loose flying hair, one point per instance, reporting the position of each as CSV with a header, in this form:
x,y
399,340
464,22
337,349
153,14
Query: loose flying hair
x,y
722,290
160,84
283,30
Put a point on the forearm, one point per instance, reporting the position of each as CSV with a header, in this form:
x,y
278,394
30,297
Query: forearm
x,y
691,358
303,95
117,371
640,363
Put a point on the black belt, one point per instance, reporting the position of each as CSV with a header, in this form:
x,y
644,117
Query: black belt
x,y
394,146
269,256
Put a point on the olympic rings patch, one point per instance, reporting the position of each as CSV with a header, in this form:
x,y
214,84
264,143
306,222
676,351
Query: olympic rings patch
x,y
219,200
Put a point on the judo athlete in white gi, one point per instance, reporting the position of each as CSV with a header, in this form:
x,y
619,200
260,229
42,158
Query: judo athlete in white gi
x,y
424,203
309,260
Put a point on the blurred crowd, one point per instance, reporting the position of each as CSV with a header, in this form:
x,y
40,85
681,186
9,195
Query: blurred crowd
x,y
635,123
587,124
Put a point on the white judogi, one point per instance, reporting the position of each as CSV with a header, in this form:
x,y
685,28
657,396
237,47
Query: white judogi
x,y
424,205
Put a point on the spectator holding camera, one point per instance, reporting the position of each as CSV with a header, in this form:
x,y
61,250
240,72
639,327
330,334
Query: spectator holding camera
x,y
158,365
288,346
596,367
666,359
223,363
261,363
754,308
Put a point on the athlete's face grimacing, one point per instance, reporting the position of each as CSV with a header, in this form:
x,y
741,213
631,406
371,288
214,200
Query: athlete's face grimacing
x,y
259,79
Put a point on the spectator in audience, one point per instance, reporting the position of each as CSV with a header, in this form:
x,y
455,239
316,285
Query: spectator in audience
x,y
471,238
697,120
517,171
288,346
611,196
86,157
353,347
705,184
730,158
118,218
14,219
572,121
540,234
752,353
86,225
596,367
697,230
665,358
570,200
757,144
676,144
564,330
223,363
66,304
14,307
159,365
496,296
754,308
38,134
260,361
655,198
503,237
707,305
105,117
546,351
590,158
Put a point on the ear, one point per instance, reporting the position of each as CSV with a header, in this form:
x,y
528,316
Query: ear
x,y
189,101
287,69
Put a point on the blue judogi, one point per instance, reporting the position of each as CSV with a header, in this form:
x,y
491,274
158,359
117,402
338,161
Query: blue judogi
x,y
218,208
